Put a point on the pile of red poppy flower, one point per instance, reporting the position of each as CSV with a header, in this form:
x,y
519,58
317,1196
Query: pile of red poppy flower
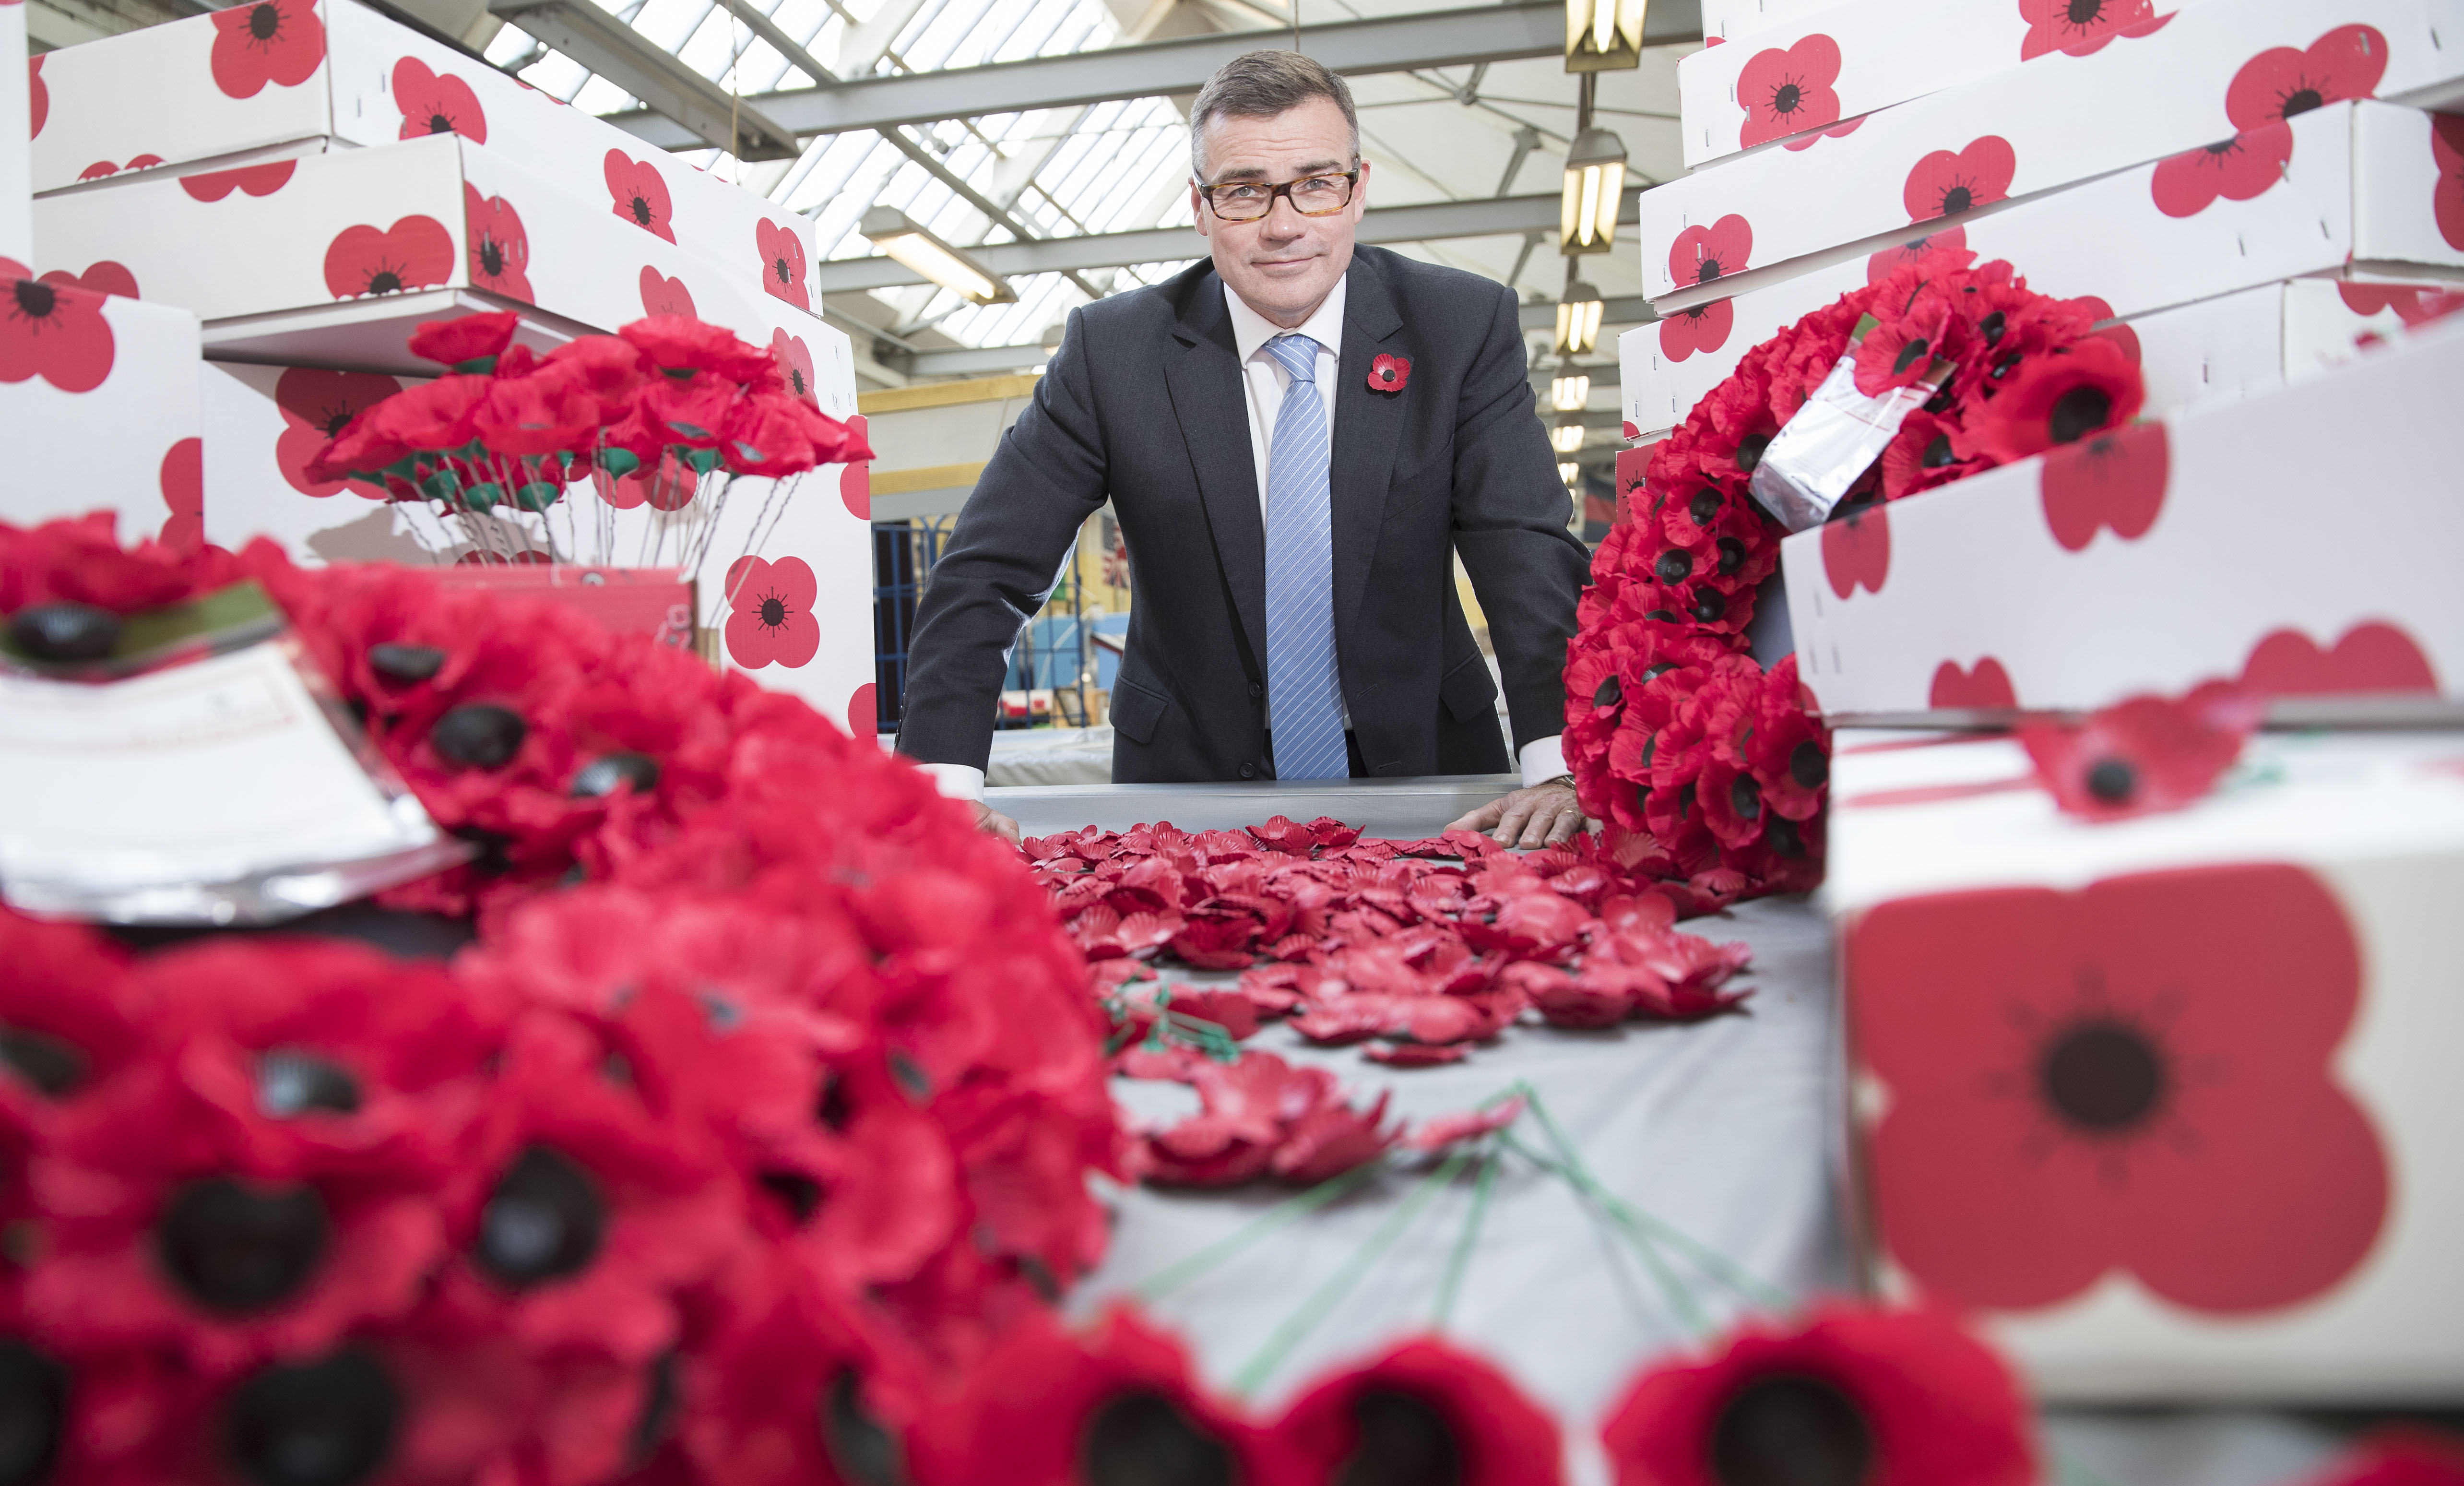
x,y
667,395
1700,766
768,1082
1418,948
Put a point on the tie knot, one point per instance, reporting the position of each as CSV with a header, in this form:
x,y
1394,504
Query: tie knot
x,y
1299,355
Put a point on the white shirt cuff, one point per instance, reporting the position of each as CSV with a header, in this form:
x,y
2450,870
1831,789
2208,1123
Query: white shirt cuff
x,y
965,781
1544,759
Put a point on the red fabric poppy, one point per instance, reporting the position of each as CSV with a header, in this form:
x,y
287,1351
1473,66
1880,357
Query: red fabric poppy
x,y
640,195
103,278
782,262
1449,1130
2078,30
536,414
665,296
679,342
2282,81
249,180
1390,373
1425,1408
1846,1394
1789,92
2144,754
1947,182
415,252
1701,254
500,251
276,41
1903,343
2447,197
770,619
436,103
465,338
610,366
1921,456
2236,169
2055,400
317,405
2135,1075
1702,328
53,331
80,560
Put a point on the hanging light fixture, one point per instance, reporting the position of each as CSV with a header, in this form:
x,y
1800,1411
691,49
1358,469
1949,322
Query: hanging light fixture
x,y
1568,436
1603,35
1579,319
1568,393
895,234
1571,473
1595,190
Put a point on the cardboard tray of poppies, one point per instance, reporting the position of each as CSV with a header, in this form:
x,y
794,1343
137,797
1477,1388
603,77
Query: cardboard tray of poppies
x,y
2365,183
282,78
2218,80
2164,1101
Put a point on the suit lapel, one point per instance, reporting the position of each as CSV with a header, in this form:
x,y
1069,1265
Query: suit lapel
x,y
1368,429
1205,382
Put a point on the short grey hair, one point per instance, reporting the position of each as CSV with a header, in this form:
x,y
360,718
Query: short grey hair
x,y
1259,85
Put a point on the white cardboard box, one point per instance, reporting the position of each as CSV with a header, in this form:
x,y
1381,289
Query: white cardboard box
x,y
17,83
205,89
2368,182
2241,345
1727,20
342,253
2060,120
2177,551
1814,66
105,412
2166,1103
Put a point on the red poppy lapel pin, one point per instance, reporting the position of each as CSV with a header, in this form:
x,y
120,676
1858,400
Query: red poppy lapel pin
x,y
1390,373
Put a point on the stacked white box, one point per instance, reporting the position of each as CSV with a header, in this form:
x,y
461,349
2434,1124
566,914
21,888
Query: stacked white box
x,y
18,83
98,409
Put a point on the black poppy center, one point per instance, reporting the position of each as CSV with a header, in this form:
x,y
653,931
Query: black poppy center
x,y
2081,412
1706,271
237,1249
1783,836
1745,797
1709,604
1908,355
778,266
2112,780
64,631
2083,12
542,1222
36,298
438,124
491,258
1750,451
479,735
1706,504
290,1083
385,280
774,612
1788,1429
1809,765
602,775
1675,566
406,662
328,1423
1143,1439
47,1062
1957,199
33,1391
1992,326
796,381
2300,101
2104,1076
865,1451
1611,693
1937,453
264,23
1787,98
1405,1441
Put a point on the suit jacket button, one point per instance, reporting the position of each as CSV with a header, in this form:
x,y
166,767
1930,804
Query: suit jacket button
x,y
1248,772
1256,689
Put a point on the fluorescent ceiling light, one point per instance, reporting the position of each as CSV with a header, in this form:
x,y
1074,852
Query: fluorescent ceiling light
x,y
893,232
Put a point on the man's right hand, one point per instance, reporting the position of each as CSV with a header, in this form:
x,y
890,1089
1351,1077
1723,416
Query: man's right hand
x,y
989,819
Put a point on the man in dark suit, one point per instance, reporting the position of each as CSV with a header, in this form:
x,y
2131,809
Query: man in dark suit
x,y
1296,436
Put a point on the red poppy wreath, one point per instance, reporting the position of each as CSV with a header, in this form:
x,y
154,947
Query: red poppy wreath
x,y
1701,765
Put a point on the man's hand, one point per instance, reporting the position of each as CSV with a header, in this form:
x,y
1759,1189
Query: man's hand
x,y
1541,815
989,819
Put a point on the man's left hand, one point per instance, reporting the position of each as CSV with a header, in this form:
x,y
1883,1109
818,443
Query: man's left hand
x,y
1541,815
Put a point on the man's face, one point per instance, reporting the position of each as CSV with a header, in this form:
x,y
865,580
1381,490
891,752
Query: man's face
x,y
1283,264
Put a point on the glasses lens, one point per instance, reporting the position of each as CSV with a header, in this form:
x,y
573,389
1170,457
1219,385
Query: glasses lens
x,y
1246,202
1321,194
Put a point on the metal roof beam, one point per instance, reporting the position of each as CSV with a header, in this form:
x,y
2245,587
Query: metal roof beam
x,y
693,110
1395,43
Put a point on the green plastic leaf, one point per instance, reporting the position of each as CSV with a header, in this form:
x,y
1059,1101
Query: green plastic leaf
x,y
443,485
483,498
476,365
619,462
537,496
703,460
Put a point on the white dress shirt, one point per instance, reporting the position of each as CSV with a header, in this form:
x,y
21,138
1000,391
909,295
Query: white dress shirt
x,y
1264,381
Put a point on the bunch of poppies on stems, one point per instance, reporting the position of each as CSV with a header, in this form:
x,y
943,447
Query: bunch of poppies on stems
x,y
764,1102
1702,766
669,407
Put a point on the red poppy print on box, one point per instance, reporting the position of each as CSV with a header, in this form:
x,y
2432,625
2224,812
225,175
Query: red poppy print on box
x,y
2137,1075
795,361
2081,27
183,483
782,263
863,714
38,97
2239,168
2281,82
668,486
1948,181
1812,140
1704,327
1881,265
315,406
639,194
1857,550
247,180
2122,336
2447,199
1701,254
855,480
2116,479
1789,92
436,103
664,295
500,251
103,278
415,252
2413,304
1985,684
277,41
102,169
52,331
2375,657
770,620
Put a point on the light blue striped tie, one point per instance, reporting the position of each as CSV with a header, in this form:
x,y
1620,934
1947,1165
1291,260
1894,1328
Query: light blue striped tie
x,y
1304,691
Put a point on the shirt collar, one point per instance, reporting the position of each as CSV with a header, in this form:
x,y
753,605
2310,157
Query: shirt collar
x,y
1251,330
